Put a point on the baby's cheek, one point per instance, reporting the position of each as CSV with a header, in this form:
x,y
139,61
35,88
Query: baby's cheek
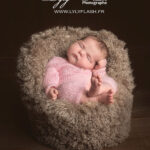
x,y
90,66
87,65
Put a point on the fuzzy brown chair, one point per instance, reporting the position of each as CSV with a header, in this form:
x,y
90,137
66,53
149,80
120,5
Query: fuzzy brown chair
x,y
61,124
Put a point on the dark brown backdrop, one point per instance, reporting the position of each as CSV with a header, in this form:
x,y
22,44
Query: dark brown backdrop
x,y
129,20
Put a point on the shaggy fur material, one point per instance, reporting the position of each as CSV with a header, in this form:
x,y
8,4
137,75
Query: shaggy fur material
x,y
60,124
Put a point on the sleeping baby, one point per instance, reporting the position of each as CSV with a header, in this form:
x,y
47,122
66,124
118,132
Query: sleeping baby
x,y
81,77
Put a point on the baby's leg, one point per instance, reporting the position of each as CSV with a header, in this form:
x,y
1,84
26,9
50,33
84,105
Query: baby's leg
x,y
106,97
97,87
85,98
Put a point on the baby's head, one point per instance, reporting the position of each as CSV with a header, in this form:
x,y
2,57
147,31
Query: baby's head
x,y
88,53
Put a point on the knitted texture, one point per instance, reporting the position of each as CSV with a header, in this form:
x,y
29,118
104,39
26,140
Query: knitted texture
x,y
61,124
70,80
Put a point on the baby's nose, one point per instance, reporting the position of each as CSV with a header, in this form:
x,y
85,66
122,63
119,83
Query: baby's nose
x,y
82,53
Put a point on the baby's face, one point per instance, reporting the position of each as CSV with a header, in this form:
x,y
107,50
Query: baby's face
x,y
84,53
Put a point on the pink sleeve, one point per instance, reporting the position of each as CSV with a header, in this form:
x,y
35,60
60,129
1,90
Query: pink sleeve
x,y
51,76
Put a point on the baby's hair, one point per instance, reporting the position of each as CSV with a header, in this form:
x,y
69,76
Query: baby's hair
x,y
101,44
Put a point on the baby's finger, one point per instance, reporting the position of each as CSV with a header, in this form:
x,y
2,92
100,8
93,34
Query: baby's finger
x,y
54,97
56,92
52,91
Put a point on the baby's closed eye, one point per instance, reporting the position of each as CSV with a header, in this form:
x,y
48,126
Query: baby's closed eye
x,y
89,58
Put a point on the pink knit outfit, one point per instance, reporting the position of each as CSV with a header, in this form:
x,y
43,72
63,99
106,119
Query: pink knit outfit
x,y
71,80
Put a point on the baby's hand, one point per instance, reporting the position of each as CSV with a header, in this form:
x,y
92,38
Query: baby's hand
x,y
53,92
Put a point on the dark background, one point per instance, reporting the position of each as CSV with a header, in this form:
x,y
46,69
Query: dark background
x,y
129,20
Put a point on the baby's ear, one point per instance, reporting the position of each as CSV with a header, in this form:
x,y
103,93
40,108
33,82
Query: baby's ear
x,y
100,64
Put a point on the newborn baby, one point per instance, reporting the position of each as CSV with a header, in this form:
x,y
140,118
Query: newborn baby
x,y
82,76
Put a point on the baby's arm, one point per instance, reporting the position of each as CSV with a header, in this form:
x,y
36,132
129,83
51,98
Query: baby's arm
x,y
51,77
50,82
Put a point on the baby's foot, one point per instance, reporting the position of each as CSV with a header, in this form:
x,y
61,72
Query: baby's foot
x,y
95,85
96,81
110,96
107,97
